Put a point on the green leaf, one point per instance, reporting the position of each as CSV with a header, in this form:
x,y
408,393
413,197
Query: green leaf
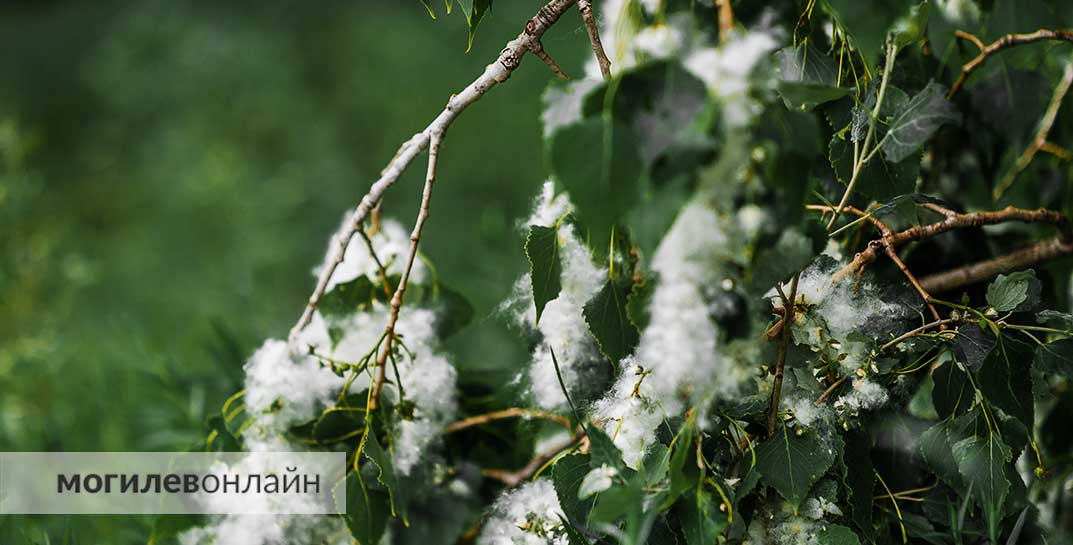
x,y
836,534
545,267
428,6
915,122
698,512
859,478
347,298
603,449
1055,358
910,28
791,463
973,344
474,11
598,163
1014,292
680,469
935,448
880,179
386,475
867,23
573,535
951,394
807,77
367,511
566,477
981,462
639,302
608,321
1005,379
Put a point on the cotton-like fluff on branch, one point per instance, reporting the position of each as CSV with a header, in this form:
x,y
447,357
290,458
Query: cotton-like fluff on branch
x,y
283,391
679,350
391,244
726,71
562,325
527,515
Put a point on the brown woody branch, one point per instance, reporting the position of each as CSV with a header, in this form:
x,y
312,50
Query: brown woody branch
x,y
1009,40
585,6
1017,260
889,250
726,19
954,220
515,478
788,303
400,290
514,412
495,73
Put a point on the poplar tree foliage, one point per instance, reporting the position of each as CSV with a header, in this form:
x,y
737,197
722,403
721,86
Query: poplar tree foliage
x,y
892,424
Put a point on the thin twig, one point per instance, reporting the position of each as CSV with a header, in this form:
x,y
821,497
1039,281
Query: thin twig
x,y
379,264
924,295
788,303
400,290
585,6
1004,42
1047,250
914,332
514,412
495,73
1040,139
515,478
726,19
830,390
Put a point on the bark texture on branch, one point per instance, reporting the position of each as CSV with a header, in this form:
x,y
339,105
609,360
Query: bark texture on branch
x,y
984,270
495,73
1004,42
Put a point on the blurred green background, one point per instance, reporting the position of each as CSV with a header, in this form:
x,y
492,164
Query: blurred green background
x,y
170,172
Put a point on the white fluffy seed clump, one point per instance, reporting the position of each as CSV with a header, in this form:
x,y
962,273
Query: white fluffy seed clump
x,y
283,391
527,515
677,361
562,325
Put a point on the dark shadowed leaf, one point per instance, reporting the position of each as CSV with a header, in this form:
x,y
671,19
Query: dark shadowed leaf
x,y
545,267
791,463
609,322
807,77
972,345
599,165
386,475
915,122
1006,381
566,476
367,511
881,179
836,534
937,451
1055,359
981,462
698,512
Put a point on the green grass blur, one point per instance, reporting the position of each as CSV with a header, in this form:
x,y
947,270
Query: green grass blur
x,y
170,172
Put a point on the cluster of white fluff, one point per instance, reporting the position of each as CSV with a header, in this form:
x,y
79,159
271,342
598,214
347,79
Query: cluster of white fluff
x,y
527,515
284,390
677,361
789,528
562,325
844,307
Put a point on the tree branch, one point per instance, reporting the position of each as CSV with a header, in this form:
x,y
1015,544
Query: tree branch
x,y
954,221
585,6
495,73
1017,260
514,412
917,331
726,19
1040,139
788,303
1004,42
400,291
514,478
